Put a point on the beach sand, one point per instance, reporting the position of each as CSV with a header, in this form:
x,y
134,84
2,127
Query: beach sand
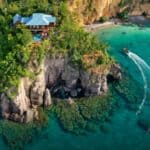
x,y
139,20
98,26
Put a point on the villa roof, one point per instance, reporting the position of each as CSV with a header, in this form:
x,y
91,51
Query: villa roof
x,y
16,18
36,19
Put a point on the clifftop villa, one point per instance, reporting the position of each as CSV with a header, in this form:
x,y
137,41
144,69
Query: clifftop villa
x,y
38,23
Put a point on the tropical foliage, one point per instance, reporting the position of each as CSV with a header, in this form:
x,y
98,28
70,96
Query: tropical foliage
x,y
84,113
16,46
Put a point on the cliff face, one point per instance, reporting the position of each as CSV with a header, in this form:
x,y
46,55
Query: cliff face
x,y
58,78
88,11
140,8
91,10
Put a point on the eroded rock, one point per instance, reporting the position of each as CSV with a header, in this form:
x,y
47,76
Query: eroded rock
x,y
58,76
116,72
47,101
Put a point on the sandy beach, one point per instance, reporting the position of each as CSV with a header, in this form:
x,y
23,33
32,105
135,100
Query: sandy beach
x,y
139,20
98,26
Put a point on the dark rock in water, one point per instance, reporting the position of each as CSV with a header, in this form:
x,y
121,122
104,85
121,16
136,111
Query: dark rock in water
x,y
144,123
124,33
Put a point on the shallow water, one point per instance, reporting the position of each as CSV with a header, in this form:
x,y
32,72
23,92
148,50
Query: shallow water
x,y
122,133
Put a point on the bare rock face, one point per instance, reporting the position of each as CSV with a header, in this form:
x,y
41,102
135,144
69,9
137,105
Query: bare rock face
x,y
139,8
90,11
104,85
30,114
91,83
38,88
53,69
34,93
19,108
70,76
116,72
30,93
22,102
94,84
4,105
47,98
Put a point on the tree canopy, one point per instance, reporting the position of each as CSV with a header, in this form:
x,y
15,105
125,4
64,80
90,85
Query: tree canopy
x,y
67,38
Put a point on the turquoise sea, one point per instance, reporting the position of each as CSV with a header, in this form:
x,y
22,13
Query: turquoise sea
x,y
122,132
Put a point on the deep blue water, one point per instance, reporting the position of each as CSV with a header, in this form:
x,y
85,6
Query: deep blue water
x,y
123,133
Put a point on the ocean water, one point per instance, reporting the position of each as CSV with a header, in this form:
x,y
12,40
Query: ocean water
x,y
123,132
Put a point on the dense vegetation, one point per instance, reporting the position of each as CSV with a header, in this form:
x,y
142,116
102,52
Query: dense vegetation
x,y
67,39
125,2
17,135
84,114
17,50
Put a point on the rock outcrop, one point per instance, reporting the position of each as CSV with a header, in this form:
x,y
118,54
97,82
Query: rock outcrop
x,y
115,71
139,8
88,11
37,88
18,109
47,100
59,77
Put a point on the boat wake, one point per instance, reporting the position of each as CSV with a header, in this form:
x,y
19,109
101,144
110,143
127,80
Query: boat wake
x,y
142,65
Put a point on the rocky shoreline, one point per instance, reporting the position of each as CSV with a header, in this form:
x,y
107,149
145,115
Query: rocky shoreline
x,y
98,26
138,19
57,78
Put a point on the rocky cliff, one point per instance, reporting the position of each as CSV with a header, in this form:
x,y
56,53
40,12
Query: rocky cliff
x,y
88,11
56,77
140,8
91,10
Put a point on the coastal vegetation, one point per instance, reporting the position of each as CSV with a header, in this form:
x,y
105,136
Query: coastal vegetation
x,y
19,54
79,118
123,15
125,2
16,135
16,44
83,115
20,57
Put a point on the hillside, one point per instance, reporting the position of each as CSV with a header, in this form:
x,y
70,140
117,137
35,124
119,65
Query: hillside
x,y
68,63
88,11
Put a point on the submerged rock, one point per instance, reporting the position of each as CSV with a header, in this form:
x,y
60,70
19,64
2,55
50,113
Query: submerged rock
x,y
144,123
